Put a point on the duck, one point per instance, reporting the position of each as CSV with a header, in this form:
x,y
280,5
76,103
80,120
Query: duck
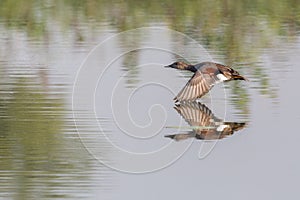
x,y
204,124
206,75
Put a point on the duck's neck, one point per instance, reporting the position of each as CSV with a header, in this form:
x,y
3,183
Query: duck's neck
x,y
191,68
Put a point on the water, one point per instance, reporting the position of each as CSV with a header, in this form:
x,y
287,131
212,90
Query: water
x,y
86,104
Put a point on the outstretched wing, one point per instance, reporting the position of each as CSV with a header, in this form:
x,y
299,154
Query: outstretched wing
x,y
196,87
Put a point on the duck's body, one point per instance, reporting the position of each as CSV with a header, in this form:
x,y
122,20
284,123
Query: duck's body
x,y
206,75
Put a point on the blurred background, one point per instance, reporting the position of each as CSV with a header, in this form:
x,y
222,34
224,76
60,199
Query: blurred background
x,y
44,43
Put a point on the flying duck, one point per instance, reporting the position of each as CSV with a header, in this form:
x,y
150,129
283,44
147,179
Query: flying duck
x,y
206,75
205,126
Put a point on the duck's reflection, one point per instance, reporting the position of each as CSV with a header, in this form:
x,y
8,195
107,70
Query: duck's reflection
x,y
204,125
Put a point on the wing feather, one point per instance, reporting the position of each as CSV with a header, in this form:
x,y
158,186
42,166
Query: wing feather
x,y
195,88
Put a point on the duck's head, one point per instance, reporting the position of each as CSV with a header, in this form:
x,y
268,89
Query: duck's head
x,y
231,74
179,65
239,77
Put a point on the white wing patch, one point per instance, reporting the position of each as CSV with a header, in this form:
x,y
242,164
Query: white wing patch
x,y
221,77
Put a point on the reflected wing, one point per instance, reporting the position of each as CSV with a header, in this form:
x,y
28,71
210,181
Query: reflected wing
x,y
195,88
196,114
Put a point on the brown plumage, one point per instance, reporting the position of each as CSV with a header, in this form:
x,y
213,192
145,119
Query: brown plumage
x,y
206,75
203,122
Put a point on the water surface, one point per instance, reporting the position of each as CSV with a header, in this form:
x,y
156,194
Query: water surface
x,y
52,147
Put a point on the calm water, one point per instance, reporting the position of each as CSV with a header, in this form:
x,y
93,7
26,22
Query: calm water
x,y
87,109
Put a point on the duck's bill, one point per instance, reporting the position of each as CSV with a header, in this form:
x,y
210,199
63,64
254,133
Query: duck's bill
x,y
239,77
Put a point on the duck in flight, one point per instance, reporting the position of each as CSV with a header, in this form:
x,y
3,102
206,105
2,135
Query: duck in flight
x,y
206,75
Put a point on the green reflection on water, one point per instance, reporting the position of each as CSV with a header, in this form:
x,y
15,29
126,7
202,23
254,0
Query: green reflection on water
x,y
30,138
37,160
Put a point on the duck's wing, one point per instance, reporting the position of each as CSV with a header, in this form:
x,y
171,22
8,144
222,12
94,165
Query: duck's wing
x,y
196,87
